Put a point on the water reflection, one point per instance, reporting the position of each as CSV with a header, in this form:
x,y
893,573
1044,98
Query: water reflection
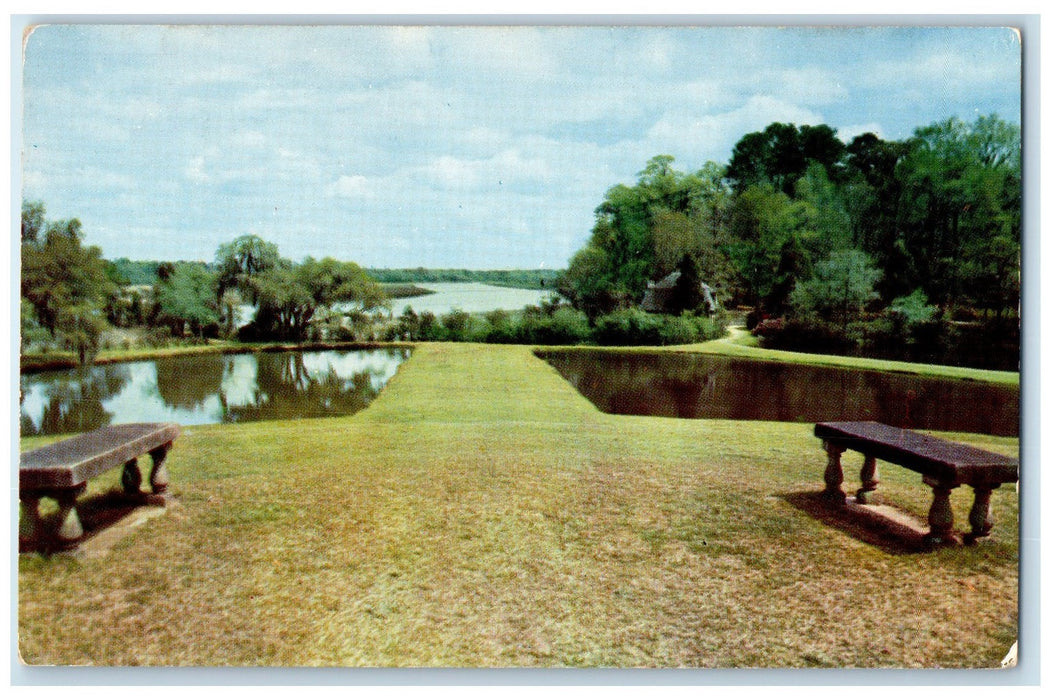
x,y
698,386
206,389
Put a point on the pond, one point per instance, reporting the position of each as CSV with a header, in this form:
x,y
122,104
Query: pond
x,y
194,390
702,386
472,297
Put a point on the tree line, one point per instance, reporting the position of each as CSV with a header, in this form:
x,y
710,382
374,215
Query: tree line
x,y
904,248
70,295
144,273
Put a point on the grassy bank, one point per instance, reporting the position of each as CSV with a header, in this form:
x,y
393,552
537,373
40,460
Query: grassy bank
x,y
63,360
740,343
482,513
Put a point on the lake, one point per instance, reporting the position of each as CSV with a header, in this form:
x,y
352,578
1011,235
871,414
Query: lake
x,y
471,297
701,386
194,390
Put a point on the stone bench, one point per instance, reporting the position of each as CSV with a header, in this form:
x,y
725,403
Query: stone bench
x,y
62,469
944,465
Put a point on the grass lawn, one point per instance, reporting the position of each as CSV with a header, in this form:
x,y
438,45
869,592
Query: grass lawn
x,y
482,513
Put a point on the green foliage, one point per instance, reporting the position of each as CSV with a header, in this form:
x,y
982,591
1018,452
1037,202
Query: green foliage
x,y
767,228
520,279
636,327
563,326
243,259
642,233
913,309
687,294
187,297
295,300
959,223
33,221
63,282
780,154
840,288
939,213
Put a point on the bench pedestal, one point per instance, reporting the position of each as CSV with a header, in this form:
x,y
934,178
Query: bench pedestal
x,y
940,517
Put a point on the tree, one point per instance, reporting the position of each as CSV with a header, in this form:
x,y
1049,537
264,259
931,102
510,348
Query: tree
x,y
687,294
642,232
781,153
64,282
839,289
187,297
960,192
290,296
240,260
767,227
33,221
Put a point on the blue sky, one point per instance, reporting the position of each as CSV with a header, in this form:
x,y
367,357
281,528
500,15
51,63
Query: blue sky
x,y
475,147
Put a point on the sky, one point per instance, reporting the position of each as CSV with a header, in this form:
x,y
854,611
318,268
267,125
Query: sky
x,y
444,146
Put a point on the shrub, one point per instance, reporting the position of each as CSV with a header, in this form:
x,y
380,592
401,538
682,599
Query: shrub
x,y
455,324
769,327
678,330
565,326
636,327
628,327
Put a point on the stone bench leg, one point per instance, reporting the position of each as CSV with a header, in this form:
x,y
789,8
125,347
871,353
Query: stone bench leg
x,y
940,517
29,526
869,481
981,516
131,477
68,529
834,474
159,472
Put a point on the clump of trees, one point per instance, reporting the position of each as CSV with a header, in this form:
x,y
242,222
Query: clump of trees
x,y
65,288
904,249
71,296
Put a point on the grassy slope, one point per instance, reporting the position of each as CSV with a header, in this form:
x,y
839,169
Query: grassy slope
x,y
482,513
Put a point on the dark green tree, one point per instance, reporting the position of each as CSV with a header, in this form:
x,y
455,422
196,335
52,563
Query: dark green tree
x,y
239,261
781,153
291,295
64,282
687,294
187,298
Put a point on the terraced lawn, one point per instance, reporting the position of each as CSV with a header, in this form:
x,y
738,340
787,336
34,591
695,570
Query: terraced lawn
x,y
481,513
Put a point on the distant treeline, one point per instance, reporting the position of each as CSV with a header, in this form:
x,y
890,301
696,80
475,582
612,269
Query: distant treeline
x,y
144,272
522,279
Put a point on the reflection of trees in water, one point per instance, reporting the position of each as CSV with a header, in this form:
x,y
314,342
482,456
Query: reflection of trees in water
x,y
187,382
74,399
283,385
688,386
287,389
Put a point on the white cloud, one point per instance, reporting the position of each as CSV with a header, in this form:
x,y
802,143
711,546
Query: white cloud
x,y
195,170
712,136
351,187
848,133
508,168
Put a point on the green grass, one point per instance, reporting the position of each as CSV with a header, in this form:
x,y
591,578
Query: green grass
x,y
740,343
482,513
